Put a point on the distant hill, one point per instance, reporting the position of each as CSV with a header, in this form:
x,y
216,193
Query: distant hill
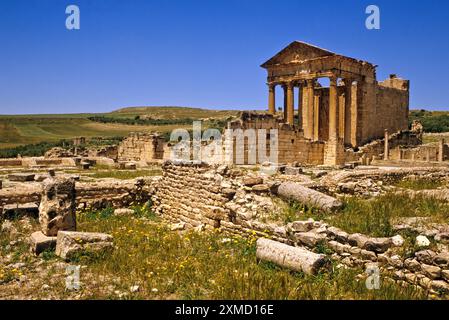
x,y
172,112
16,130
19,130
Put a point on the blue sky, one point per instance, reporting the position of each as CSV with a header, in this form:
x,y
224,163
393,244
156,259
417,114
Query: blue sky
x,y
203,53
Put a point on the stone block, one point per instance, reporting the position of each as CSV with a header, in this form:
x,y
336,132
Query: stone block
x,y
21,177
57,210
301,226
72,243
21,209
40,242
309,239
378,245
292,170
260,188
123,212
432,272
252,181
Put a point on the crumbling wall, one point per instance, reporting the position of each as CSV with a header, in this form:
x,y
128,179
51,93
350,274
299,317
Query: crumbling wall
x,y
292,146
143,147
376,148
198,194
89,195
392,106
427,152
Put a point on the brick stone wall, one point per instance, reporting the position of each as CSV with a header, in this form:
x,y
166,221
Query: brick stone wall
x,y
143,147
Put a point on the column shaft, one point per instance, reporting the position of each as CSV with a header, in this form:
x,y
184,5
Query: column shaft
x,y
300,102
271,99
333,109
285,102
348,111
290,104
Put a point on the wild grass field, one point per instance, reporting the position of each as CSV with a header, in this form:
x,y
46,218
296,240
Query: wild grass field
x,y
16,130
149,261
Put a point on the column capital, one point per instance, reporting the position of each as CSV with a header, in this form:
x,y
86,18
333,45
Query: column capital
x,y
333,80
348,81
310,82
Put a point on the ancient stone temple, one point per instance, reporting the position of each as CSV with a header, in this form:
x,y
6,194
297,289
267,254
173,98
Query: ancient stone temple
x,y
354,109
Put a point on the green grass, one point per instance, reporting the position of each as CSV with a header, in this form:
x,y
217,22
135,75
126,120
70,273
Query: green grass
x,y
376,217
18,130
187,265
420,184
172,265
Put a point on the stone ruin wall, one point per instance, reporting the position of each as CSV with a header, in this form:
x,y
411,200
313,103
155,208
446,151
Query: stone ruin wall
x,y
429,153
376,148
89,195
292,146
143,147
390,108
198,194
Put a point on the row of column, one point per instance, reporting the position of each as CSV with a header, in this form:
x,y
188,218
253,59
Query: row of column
x,y
310,111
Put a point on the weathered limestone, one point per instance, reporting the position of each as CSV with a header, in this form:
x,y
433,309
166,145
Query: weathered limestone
x,y
441,150
294,258
310,239
21,177
307,196
141,147
357,113
386,146
40,242
21,209
123,212
252,181
70,243
271,100
57,210
290,104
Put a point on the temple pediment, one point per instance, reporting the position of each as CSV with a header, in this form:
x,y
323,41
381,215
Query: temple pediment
x,y
296,52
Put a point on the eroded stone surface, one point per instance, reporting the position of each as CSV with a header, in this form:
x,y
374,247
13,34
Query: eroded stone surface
x,y
72,243
57,210
40,242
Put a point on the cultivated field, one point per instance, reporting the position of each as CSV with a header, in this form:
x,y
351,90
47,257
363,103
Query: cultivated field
x,y
29,129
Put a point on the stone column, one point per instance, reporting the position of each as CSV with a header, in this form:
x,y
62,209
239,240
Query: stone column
x,y
300,101
271,99
307,120
316,117
333,109
284,86
290,104
348,112
386,147
441,150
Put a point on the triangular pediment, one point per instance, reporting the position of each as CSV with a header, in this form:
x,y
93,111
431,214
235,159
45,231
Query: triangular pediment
x,y
297,51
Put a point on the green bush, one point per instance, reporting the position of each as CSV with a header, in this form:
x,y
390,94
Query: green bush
x,y
33,150
431,121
